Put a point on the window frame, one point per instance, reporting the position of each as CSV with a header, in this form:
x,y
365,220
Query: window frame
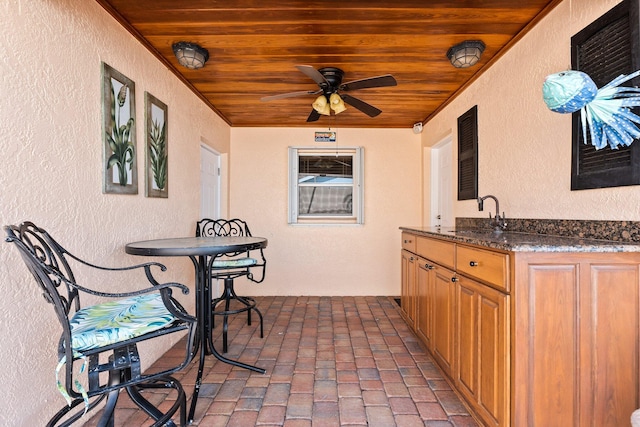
x,y
605,168
357,217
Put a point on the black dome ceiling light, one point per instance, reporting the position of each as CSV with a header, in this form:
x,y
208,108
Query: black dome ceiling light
x,y
190,55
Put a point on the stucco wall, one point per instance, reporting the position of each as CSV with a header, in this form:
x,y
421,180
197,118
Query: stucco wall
x,y
50,136
524,148
51,173
327,260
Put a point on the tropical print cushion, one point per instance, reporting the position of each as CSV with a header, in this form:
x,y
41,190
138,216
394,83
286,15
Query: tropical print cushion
x,y
116,321
234,263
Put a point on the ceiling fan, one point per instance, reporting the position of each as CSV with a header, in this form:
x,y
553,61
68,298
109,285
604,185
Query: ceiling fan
x,y
332,91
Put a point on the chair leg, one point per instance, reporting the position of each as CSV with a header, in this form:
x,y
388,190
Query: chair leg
x,y
53,422
228,295
225,320
162,419
251,303
107,419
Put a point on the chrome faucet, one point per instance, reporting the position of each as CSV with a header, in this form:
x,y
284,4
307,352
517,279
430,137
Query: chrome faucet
x,y
498,223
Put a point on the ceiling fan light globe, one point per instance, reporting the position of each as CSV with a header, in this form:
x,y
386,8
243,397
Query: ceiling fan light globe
x,y
321,105
337,104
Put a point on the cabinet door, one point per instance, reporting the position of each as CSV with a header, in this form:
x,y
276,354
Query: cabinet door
x,y
443,317
425,297
577,340
408,296
481,369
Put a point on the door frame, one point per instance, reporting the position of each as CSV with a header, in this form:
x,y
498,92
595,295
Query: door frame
x,y
440,195
218,187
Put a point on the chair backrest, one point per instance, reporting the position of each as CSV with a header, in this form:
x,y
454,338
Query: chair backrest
x,y
222,227
233,227
47,262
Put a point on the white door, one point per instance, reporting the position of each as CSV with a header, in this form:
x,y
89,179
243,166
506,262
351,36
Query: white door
x,y
441,181
209,183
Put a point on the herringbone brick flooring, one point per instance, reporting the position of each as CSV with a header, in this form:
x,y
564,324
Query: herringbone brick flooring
x,y
330,361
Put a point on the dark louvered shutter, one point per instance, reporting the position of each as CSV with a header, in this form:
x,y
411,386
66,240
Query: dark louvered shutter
x,y
468,155
605,49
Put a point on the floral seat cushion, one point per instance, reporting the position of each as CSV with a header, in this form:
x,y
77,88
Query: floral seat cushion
x,y
116,321
234,263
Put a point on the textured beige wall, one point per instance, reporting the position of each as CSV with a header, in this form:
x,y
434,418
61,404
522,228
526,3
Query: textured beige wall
x,y
50,138
51,173
525,149
328,260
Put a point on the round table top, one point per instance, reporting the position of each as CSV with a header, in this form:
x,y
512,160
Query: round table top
x,y
195,246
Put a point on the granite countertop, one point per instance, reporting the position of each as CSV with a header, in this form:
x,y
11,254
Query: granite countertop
x,y
524,242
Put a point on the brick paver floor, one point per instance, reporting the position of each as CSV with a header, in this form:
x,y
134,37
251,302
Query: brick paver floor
x,y
330,361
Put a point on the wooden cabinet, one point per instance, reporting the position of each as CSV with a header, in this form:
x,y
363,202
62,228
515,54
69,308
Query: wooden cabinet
x,y
424,301
576,336
482,358
409,242
438,251
435,315
488,266
463,322
408,296
434,297
530,339
444,303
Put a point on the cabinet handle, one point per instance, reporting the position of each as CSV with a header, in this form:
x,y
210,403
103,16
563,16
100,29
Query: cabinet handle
x,y
454,279
473,264
428,267
407,241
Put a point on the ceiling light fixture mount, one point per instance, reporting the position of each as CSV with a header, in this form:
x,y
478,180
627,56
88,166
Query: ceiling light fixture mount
x,y
190,55
466,54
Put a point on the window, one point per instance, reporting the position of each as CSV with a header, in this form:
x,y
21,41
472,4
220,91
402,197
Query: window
x,y
326,186
468,155
605,49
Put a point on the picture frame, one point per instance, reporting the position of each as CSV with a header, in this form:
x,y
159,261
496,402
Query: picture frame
x,y
156,165
119,133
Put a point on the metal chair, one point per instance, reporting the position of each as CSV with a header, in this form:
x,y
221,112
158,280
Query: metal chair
x,y
230,267
104,337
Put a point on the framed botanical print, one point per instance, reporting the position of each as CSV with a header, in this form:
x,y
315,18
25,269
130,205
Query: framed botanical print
x,y
119,133
157,175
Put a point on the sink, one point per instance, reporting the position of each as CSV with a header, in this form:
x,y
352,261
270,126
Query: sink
x,y
468,232
498,237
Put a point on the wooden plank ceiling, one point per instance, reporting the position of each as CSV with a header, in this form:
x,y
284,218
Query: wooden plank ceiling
x,y
254,47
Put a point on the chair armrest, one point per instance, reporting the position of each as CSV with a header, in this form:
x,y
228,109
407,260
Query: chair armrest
x,y
174,307
146,266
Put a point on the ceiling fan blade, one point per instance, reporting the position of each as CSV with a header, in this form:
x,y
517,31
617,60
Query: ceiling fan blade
x,y
379,81
368,109
313,74
314,116
290,95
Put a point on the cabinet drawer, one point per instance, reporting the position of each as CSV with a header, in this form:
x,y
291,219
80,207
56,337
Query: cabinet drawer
x,y
409,242
437,251
487,266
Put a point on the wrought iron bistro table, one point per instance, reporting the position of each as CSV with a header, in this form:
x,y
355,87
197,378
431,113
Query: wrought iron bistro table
x,y
202,251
